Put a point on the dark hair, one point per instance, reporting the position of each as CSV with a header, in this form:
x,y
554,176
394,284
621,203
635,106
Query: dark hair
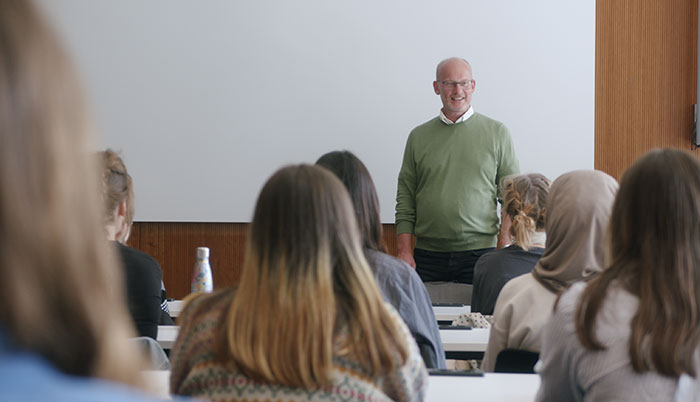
x,y
357,180
655,255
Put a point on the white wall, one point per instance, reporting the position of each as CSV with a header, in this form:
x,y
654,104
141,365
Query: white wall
x,y
206,99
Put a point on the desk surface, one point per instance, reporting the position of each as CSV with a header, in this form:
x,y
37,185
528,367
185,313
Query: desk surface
x,y
465,340
167,334
442,313
490,387
449,313
175,307
453,340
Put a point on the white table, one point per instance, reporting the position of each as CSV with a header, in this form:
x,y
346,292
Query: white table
x,y
167,334
453,340
491,387
442,313
175,307
465,340
449,313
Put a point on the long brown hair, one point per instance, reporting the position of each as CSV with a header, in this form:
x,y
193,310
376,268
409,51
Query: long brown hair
x,y
525,201
655,255
357,180
306,292
60,295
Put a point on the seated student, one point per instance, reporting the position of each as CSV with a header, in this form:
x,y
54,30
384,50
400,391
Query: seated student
x,y
578,209
145,292
632,332
307,321
398,282
62,320
524,201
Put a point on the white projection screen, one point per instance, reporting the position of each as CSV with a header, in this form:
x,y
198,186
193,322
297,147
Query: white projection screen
x,y
206,99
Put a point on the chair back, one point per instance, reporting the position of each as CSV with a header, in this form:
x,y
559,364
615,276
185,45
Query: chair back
x,y
516,361
153,353
449,292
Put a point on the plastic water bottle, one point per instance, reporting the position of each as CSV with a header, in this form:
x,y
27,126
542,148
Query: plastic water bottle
x,y
201,278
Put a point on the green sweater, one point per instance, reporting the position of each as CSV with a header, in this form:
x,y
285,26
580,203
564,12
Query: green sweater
x,y
448,183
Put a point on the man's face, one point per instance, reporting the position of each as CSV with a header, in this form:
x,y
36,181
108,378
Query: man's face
x,y
455,86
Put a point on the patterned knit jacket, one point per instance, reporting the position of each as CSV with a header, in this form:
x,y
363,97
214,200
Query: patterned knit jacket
x,y
197,372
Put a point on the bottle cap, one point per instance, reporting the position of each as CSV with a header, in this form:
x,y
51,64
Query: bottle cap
x,y
202,252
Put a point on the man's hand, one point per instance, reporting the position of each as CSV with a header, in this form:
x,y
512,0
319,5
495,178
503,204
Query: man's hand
x,y
406,249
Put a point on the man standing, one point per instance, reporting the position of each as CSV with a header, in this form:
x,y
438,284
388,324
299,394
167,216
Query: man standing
x,y
448,183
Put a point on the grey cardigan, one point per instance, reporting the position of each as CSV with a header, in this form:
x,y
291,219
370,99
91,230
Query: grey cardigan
x,y
569,372
402,288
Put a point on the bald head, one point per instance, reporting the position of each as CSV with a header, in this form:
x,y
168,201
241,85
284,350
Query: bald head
x,y
455,85
452,62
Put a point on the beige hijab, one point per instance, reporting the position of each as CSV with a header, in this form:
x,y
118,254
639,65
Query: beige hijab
x,y
578,211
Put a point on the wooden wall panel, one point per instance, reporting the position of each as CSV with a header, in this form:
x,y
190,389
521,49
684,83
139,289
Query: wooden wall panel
x,y
645,85
173,245
390,239
135,236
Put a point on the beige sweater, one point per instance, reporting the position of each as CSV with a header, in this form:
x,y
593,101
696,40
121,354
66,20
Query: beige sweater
x,y
522,309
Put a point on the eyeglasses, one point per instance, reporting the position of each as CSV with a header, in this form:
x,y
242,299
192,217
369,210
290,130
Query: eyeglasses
x,y
466,84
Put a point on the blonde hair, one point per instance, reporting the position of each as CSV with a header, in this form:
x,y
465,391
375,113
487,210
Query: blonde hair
x,y
307,293
60,293
525,200
117,186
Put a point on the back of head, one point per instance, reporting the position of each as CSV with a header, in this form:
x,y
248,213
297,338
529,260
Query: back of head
x,y
525,200
358,182
578,212
117,187
655,221
301,219
59,284
306,286
655,255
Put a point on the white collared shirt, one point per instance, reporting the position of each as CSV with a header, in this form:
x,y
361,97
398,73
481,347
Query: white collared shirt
x,y
461,118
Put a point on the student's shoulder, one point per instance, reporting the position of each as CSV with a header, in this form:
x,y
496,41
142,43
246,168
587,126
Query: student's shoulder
x,y
381,258
132,255
520,286
389,267
567,301
200,304
28,377
490,256
495,259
